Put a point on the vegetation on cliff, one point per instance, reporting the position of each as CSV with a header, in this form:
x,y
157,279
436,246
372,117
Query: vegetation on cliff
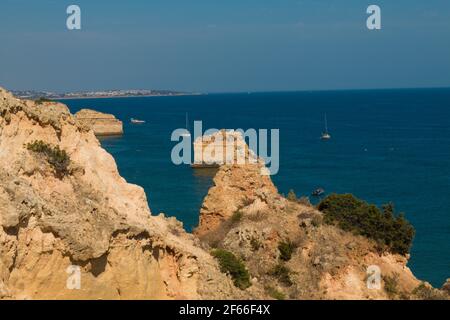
x,y
57,158
292,196
275,294
234,267
283,274
96,222
391,285
425,291
236,217
391,232
286,250
42,100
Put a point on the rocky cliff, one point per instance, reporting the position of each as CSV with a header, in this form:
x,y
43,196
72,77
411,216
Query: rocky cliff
x,y
64,207
290,253
222,147
101,123
85,216
236,187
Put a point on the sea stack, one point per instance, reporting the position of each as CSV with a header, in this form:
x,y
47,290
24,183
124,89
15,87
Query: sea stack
x,y
102,124
67,214
222,147
86,220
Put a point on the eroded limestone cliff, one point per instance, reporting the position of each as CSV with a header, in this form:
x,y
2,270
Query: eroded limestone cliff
x,y
288,250
101,123
88,217
63,203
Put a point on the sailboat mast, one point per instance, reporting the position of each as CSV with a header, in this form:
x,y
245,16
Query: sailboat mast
x,y
326,124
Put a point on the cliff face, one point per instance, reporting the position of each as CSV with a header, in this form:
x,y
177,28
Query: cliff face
x,y
90,217
236,187
244,214
63,204
101,123
222,147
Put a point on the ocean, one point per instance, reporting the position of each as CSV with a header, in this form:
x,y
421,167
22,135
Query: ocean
x,y
386,146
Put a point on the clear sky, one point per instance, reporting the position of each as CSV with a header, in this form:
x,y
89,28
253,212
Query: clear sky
x,y
223,46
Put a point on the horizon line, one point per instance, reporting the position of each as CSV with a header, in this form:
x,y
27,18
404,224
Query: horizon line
x,y
181,93
327,90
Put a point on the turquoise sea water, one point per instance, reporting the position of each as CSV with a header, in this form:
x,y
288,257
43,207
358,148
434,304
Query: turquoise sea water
x,y
387,145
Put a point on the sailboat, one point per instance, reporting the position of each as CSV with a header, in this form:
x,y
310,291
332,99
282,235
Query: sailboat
x,y
187,133
326,135
136,121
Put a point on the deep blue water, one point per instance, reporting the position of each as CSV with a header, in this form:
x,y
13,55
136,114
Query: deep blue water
x,y
387,145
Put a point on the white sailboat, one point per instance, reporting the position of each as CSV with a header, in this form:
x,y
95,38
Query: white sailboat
x,y
136,121
326,135
187,133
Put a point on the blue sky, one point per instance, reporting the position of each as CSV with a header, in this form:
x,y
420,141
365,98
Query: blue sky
x,y
224,46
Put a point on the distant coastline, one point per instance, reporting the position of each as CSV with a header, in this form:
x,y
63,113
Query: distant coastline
x,y
33,95
76,95
130,96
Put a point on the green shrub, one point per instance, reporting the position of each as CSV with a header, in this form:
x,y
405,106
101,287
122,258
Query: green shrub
x,y
391,285
282,273
274,293
426,292
391,232
286,250
236,217
41,100
234,267
56,157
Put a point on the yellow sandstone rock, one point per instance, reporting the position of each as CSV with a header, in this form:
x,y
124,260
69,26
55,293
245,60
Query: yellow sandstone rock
x,y
90,218
93,221
101,123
